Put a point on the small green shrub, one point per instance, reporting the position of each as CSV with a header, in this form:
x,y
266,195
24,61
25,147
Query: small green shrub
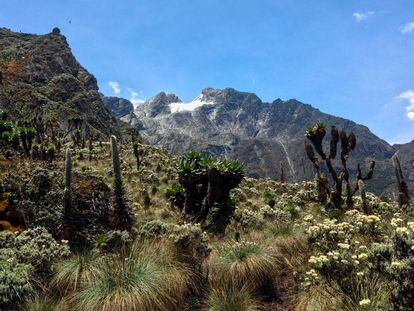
x,y
15,283
269,198
154,229
35,247
113,240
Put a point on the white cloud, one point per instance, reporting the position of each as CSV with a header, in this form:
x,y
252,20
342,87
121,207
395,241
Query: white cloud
x,y
115,86
407,27
361,16
409,96
135,98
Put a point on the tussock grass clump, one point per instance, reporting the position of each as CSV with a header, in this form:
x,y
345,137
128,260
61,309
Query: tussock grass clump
x,y
319,298
232,299
243,263
367,294
76,272
42,303
144,277
293,251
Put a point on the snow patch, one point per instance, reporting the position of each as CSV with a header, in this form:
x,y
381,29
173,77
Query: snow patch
x,y
292,170
191,106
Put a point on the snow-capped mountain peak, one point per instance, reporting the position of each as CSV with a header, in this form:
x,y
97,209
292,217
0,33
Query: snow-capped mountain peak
x,y
191,106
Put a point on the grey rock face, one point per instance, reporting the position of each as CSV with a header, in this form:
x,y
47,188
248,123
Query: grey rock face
x,y
262,135
120,107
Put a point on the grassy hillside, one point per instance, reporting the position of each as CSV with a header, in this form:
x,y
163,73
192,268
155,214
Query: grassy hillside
x,y
282,250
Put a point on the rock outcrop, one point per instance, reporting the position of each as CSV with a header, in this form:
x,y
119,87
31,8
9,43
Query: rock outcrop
x,y
120,107
41,78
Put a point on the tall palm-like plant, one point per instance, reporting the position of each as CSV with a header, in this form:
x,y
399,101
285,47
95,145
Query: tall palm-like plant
x,y
122,212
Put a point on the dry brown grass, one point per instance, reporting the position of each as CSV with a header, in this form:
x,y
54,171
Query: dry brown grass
x,y
240,264
229,298
292,251
145,277
319,298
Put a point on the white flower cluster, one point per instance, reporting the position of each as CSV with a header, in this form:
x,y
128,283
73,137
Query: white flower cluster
x,y
402,227
268,212
349,259
365,302
329,232
311,277
248,218
365,224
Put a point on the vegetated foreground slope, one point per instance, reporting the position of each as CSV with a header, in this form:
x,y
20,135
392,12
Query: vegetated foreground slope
x,y
262,135
282,250
40,80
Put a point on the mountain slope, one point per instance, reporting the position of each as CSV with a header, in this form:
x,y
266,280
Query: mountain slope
x,y
40,78
261,135
120,107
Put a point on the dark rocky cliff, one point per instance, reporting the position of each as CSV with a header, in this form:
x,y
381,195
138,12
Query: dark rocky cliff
x,y
40,77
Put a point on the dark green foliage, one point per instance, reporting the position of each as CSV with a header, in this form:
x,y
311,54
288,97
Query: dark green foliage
x,y
16,136
89,210
6,126
292,209
51,151
403,194
402,274
39,200
122,213
269,198
194,162
37,247
175,194
67,199
27,135
6,138
113,240
138,153
15,139
24,257
34,200
4,112
362,191
14,283
154,229
381,256
403,291
146,199
207,182
75,128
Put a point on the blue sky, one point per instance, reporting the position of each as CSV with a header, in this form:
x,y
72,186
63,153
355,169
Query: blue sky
x,y
352,58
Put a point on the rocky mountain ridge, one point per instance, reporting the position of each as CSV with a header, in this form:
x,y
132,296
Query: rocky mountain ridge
x,y
239,125
40,78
